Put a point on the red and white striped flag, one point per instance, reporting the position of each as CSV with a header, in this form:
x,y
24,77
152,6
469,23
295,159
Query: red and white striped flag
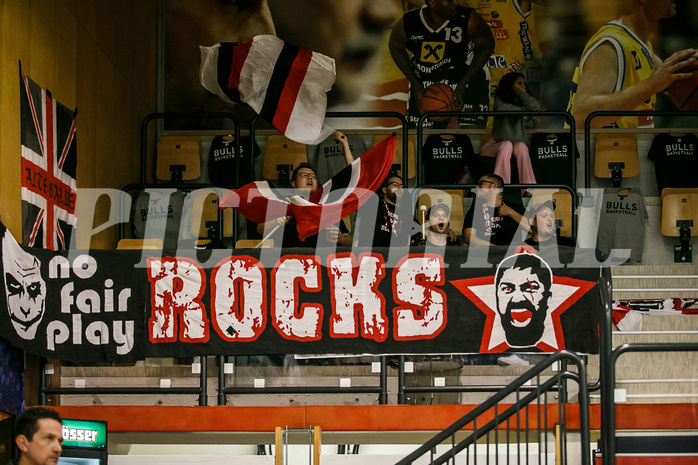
x,y
337,198
286,85
627,314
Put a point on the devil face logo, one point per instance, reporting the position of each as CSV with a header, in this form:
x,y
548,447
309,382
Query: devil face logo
x,y
26,289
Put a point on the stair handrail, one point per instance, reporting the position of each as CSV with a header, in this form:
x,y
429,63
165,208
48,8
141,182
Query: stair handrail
x,y
583,400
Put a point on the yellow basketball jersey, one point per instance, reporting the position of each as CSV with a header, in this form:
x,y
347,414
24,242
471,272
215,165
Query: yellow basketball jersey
x,y
515,42
635,64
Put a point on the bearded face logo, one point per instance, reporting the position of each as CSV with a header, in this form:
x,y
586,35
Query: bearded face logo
x,y
523,285
26,289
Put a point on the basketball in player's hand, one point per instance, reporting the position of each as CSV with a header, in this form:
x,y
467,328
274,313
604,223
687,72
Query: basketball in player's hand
x,y
438,97
684,92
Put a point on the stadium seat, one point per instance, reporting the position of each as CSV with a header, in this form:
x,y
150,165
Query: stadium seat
x,y
680,219
452,198
139,244
564,209
615,157
205,224
178,158
281,156
207,219
397,160
252,243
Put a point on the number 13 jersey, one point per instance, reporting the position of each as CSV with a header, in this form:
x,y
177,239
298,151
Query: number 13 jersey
x,y
438,55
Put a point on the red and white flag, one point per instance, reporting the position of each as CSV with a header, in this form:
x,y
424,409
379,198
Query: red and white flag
x,y
49,164
340,196
627,314
286,85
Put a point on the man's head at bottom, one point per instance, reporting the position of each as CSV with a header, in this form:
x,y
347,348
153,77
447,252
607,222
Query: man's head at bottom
x,y
39,436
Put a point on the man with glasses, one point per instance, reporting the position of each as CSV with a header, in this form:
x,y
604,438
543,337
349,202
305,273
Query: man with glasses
x,y
490,221
388,223
304,177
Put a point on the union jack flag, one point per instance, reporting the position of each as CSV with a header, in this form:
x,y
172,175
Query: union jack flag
x,y
49,161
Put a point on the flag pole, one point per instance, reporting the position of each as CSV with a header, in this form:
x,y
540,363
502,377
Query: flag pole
x,y
264,239
423,211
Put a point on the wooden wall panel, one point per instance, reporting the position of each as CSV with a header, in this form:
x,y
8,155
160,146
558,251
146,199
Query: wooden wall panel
x,y
71,5
125,160
86,79
106,136
65,56
107,26
16,22
41,37
145,59
97,56
125,48
87,14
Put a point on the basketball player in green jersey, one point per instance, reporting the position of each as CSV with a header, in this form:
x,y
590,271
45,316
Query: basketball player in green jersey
x,y
618,70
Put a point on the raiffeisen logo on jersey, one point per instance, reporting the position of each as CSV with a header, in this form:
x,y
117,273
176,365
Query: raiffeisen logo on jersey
x,y
432,52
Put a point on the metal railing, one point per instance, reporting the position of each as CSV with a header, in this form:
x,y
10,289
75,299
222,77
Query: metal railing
x,y
608,414
515,412
184,116
190,186
587,132
555,114
200,390
381,389
404,389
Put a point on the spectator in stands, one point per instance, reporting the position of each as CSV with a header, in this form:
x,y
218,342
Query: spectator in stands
x,y
388,223
303,177
542,223
494,222
38,436
334,153
509,135
436,228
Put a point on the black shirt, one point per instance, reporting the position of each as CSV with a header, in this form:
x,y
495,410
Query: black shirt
x,y
675,159
498,230
388,224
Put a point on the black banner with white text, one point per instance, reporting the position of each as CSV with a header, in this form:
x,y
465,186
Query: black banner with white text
x,y
108,305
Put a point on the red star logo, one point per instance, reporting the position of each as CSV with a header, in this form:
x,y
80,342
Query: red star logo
x,y
482,292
